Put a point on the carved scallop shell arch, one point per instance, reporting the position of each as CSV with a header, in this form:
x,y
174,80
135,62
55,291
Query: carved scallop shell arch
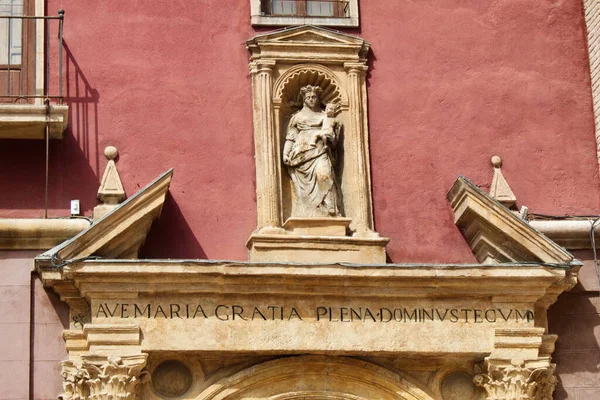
x,y
287,87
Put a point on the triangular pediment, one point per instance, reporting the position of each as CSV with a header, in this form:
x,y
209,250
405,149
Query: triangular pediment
x,y
308,34
495,233
308,37
307,42
120,233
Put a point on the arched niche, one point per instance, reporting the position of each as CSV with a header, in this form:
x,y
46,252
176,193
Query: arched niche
x,y
287,87
315,377
287,101
281,63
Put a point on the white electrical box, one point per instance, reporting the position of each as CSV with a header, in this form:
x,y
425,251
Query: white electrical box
x,y
75,207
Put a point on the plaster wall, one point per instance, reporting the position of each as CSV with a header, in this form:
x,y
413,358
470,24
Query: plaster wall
x,y
31,331
451,83
575,318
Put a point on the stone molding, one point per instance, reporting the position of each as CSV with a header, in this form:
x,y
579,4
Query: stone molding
x,y
97,377
326,249
517,379
28,121
322,377
118,278
38,234
495,234
113,338
108,286
517,342
572,234
119,233
307,44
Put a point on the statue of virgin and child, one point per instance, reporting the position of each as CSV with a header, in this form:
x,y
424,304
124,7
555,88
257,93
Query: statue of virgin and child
x,y
310,156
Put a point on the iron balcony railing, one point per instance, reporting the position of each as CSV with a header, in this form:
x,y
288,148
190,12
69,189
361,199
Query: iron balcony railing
x,y
19,82
306,8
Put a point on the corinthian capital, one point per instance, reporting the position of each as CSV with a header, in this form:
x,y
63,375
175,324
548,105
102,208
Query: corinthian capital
x,y
92,377
517,379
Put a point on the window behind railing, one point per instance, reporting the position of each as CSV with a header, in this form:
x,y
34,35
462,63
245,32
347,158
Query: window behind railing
x,y
11,32
23,37
306,8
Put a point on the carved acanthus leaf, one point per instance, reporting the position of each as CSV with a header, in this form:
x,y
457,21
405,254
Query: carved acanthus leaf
x,y
102,379
516,381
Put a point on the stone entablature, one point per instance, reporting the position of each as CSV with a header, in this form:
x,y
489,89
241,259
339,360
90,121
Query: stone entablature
x,y
406,311
343,309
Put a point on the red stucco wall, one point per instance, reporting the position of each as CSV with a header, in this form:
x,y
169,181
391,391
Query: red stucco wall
x,y
451,83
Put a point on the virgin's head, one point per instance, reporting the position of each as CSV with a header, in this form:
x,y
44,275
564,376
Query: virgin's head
x,y
311,96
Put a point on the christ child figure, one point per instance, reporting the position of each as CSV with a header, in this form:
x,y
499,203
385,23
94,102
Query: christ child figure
x,y
329,133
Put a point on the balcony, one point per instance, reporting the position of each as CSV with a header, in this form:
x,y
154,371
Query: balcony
x,y
305,12
31,76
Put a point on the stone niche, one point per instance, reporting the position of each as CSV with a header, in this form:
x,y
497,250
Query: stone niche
x,y
312,159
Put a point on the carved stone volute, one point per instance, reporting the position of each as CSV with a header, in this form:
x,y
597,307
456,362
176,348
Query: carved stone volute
x,y
516,380
103,378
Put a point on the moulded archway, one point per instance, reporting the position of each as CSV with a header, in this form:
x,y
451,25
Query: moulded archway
x,y
315,377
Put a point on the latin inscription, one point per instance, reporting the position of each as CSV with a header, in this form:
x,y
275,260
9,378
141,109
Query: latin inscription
x,y
232,312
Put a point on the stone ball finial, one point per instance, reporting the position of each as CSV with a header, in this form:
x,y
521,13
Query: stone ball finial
x,y
496,161
111,152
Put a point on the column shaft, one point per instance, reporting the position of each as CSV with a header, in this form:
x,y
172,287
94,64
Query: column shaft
x,y
266,150
363,216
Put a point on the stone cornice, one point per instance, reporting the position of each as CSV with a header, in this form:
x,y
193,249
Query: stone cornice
x,y
38,234
511,297
28,121
496,234
92,336
525,283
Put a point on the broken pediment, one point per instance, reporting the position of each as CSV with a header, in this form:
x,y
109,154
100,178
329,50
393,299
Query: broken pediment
x,y
496,234
120,233
129,316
